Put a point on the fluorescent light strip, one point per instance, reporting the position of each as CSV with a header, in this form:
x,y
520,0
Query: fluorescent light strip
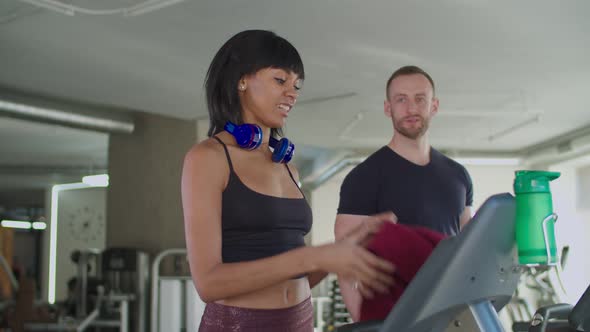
x,y
100,180
55,190
16,224
39,225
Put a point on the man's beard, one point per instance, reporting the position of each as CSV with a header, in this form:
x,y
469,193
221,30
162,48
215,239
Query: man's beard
x,y
412,133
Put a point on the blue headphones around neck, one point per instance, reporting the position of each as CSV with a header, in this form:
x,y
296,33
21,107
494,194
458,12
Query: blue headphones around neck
x,y
249,136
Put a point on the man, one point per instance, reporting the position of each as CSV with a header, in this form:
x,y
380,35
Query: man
x,y
417,183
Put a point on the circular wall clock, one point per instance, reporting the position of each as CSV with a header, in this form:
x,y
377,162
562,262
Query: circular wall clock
x,y
85,224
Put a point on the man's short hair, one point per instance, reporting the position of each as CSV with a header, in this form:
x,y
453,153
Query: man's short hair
x,y
408,70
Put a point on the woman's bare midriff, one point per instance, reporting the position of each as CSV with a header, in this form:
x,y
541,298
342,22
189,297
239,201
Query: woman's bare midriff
x,y
283,295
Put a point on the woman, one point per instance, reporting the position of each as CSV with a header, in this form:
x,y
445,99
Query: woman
x,y
245,216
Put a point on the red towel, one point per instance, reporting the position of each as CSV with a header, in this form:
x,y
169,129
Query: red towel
x,y
407,247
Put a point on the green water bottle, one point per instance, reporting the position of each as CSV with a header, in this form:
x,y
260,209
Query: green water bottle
x,y
535,219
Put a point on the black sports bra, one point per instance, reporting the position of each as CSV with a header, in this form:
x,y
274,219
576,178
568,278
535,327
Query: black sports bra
x,y
256,225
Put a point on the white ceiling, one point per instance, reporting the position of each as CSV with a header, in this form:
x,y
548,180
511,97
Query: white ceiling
x,y
497,65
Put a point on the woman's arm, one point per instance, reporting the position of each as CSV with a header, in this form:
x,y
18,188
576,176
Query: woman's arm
x,y
352,295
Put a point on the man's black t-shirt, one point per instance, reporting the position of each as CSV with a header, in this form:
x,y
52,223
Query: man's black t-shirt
x,y
433,195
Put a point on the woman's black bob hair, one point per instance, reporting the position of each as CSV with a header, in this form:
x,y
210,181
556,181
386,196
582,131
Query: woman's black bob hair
x,y
244,54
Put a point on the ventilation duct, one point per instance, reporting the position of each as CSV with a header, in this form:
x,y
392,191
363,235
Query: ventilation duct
x,y
314,181
65,113
570,146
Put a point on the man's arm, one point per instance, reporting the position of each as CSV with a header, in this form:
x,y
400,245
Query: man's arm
x,y
465,217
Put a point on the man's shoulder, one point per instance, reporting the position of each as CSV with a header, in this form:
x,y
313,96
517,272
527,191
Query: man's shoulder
x,y
359,189
445,160
371,163
449,163
365,170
